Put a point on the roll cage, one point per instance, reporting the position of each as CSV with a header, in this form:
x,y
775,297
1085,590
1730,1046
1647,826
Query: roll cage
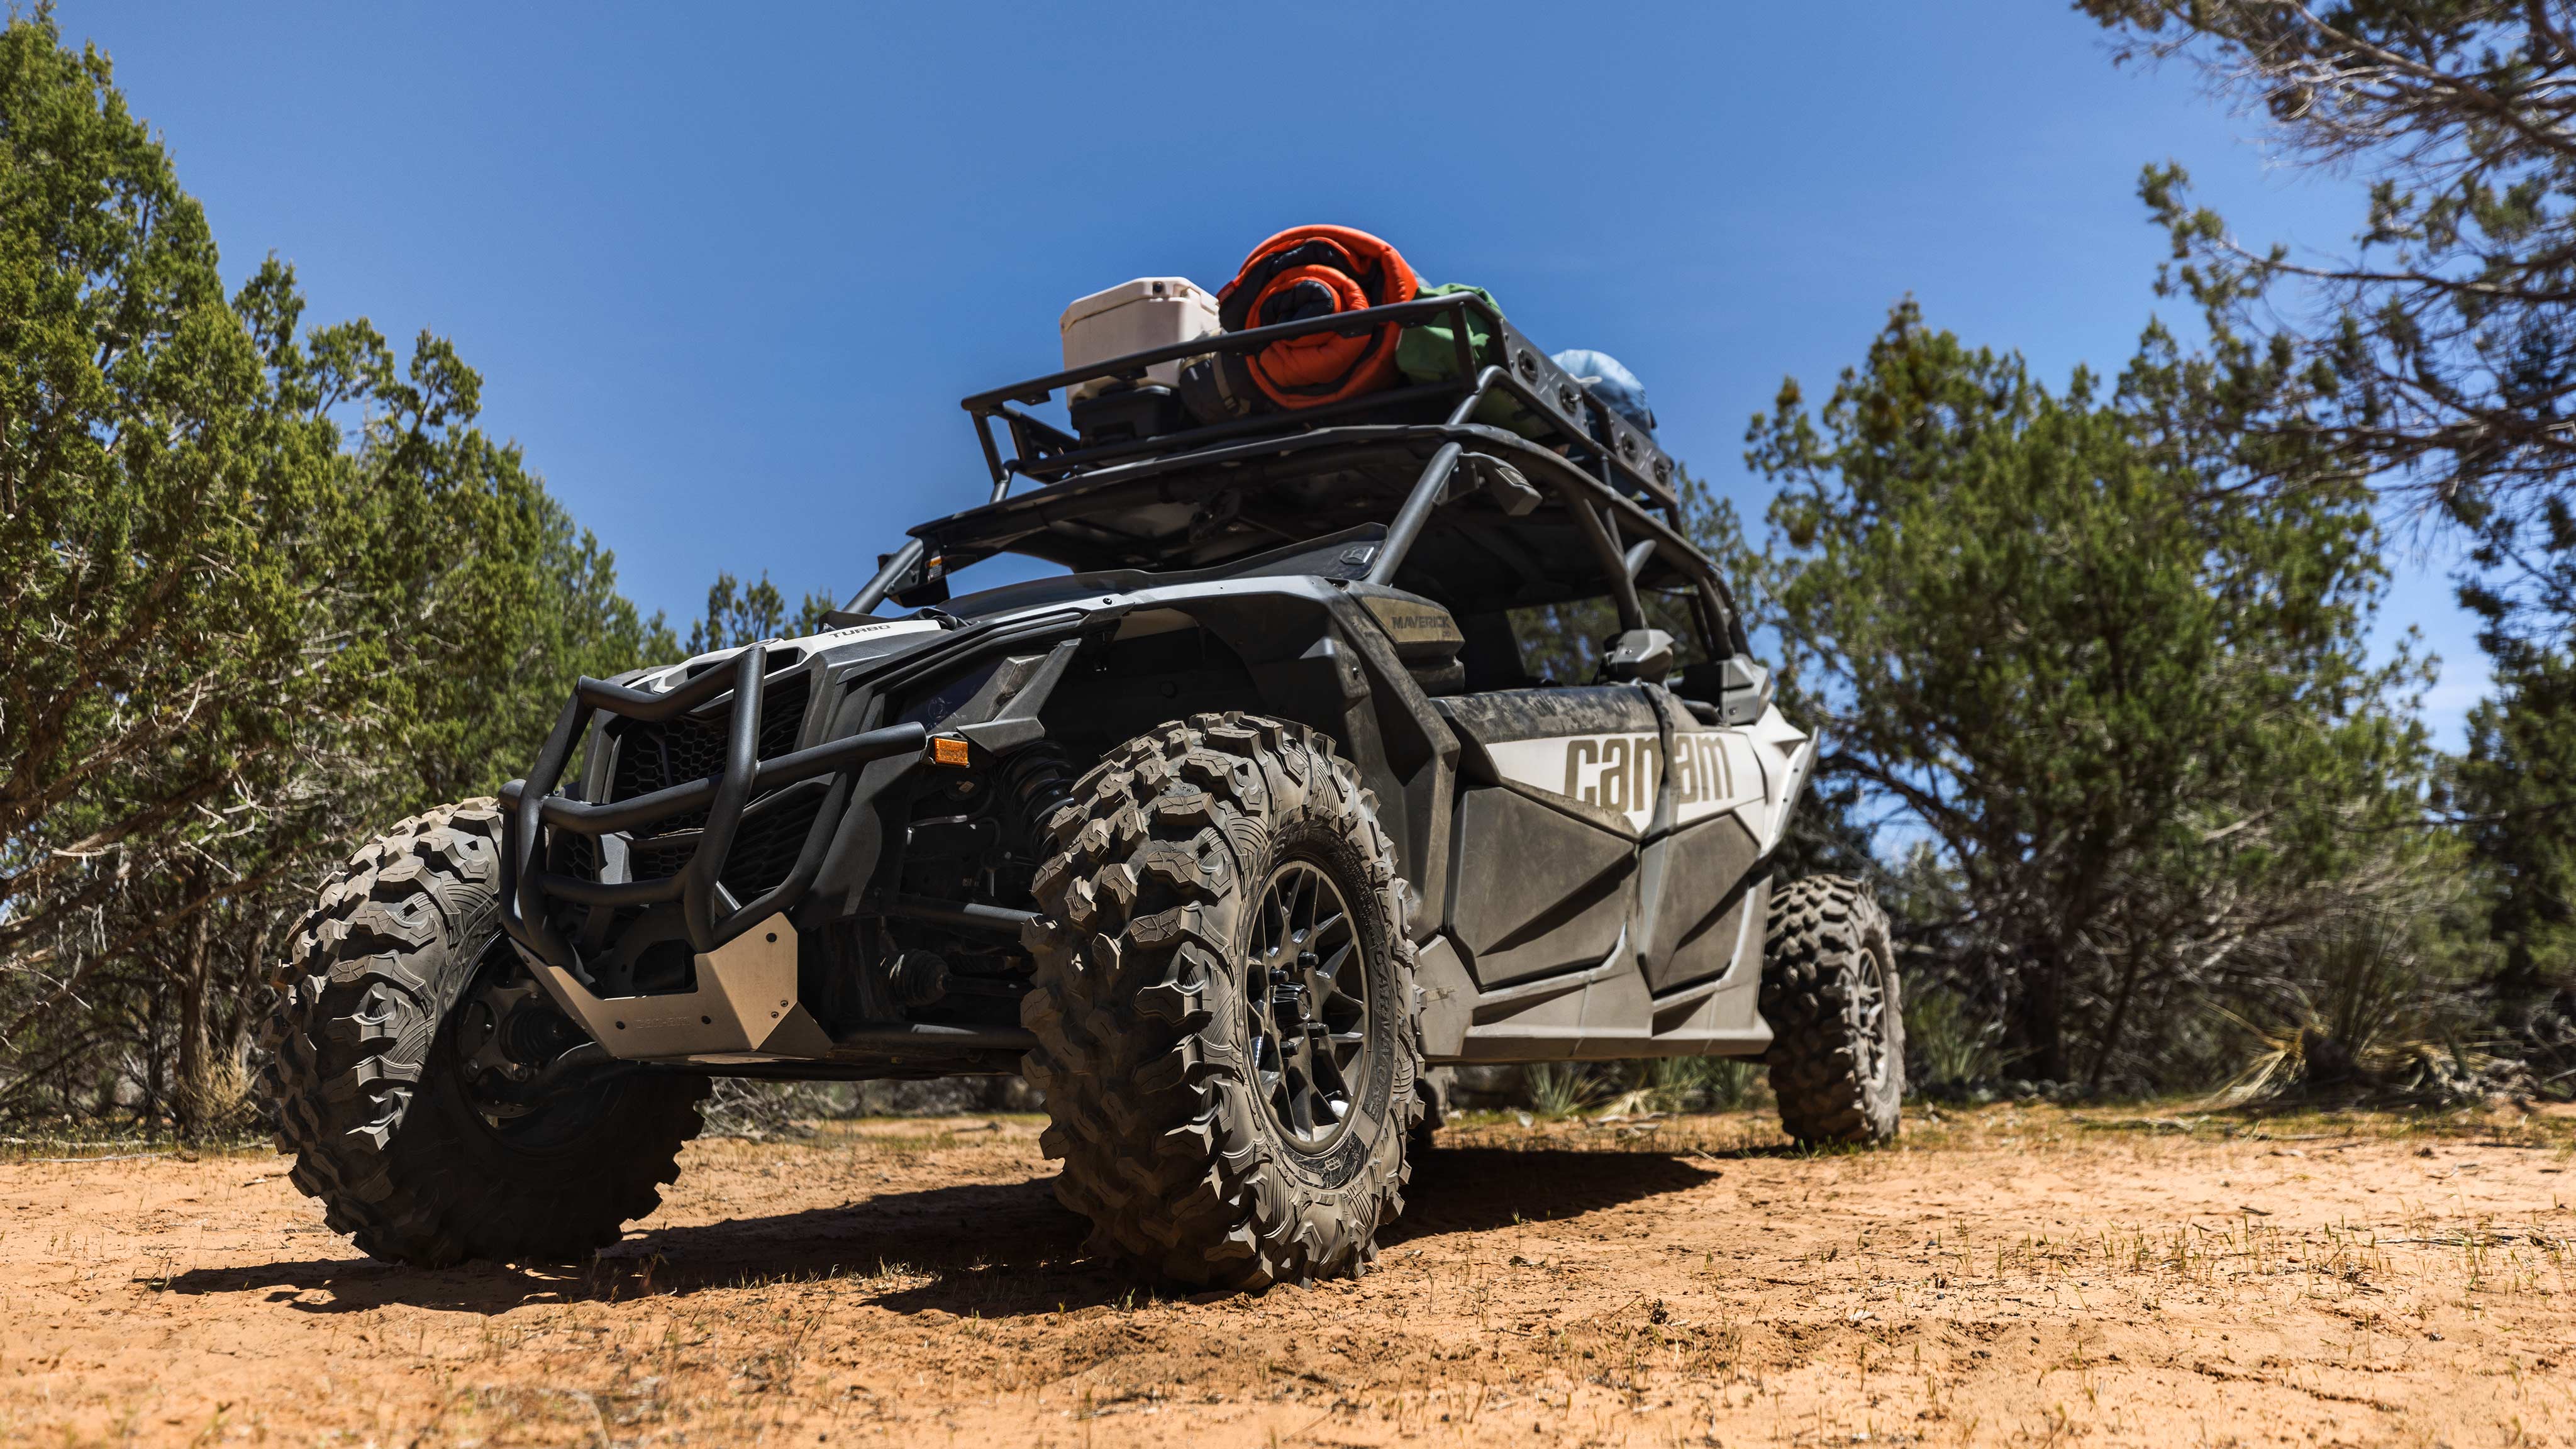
x,y
1619,490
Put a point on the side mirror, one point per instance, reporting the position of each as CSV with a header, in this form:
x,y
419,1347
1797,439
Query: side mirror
x,y
1638,654
1746,690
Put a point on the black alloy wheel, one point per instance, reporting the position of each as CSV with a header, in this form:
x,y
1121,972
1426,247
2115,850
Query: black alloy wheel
x,y
1865,1008
508,1031
1309,1027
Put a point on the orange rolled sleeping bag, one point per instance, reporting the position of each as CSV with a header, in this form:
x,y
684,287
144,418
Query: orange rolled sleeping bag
x,y
1316,271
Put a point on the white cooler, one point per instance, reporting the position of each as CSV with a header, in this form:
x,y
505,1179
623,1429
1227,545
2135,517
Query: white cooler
x,y
1147,312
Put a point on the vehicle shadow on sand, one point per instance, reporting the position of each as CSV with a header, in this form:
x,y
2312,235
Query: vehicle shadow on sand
x,y
997,1250
1478,1189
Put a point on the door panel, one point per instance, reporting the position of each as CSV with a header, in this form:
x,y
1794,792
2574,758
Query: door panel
x,y
1699,913
1560,784
1695,897
1538,889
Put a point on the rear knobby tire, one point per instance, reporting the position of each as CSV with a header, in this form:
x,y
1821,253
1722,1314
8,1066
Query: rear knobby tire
x,y
1829,992
366,1078
1194,1156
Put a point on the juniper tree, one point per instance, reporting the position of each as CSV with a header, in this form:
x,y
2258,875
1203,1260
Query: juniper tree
x,y
2437,353
261,591
2129,703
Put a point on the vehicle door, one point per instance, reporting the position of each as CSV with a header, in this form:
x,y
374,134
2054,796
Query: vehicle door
x,y
1701,908
1559,786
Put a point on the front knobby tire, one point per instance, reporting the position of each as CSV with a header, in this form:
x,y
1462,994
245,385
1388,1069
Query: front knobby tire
x,y
392,1017
1228,1033
1830,994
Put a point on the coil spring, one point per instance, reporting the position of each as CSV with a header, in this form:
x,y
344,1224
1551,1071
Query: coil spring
x,y
1039,780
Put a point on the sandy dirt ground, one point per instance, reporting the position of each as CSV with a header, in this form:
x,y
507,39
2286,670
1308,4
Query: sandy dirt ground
x,y
2005,1276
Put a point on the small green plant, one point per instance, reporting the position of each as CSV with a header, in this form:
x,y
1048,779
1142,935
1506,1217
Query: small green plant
x,y
1954,1046
1672,1084
1559,1089
1681,1084
1731,1081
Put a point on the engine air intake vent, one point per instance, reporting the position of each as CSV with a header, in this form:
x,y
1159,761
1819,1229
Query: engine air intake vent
x,y
654,757
691,747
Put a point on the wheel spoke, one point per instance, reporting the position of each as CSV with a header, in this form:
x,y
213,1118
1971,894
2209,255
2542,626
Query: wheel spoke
x,y
1345,1055
1329,970
1327,1054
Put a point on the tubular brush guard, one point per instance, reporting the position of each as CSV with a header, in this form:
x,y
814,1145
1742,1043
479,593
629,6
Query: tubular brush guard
x,y
531,807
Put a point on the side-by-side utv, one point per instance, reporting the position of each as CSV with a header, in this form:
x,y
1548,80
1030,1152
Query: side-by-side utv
x,y
1221,836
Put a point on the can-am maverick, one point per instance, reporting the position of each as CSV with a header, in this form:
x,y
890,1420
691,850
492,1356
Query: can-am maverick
x,y
1221,837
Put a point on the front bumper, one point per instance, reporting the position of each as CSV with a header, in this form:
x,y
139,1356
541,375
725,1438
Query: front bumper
x,y
710,918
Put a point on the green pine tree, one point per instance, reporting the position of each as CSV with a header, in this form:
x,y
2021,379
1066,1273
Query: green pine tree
x,y
2128,704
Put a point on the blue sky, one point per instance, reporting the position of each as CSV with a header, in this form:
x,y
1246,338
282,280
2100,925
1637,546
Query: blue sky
x,y
726,271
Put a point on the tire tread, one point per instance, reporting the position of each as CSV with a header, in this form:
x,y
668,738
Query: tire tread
x,y
373,971
1151,1113
1818,930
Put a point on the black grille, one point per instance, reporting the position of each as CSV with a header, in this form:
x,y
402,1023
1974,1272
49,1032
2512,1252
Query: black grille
x,y
654,757
765,846
656,862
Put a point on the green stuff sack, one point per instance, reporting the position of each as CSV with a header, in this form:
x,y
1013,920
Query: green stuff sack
x,y
1428,353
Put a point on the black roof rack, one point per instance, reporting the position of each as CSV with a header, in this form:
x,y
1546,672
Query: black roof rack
x,y
1605,444
1612,481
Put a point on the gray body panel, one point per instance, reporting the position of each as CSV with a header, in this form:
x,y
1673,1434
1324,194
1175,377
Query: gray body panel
x,y
1609,856
1587,859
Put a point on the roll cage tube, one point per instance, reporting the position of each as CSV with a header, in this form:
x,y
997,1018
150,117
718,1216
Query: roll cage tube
x,y
1623,587
977,533
1579,491
1432,490
896,565
531,807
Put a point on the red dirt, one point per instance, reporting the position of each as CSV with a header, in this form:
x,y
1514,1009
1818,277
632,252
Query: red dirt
x,y
2006,1276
